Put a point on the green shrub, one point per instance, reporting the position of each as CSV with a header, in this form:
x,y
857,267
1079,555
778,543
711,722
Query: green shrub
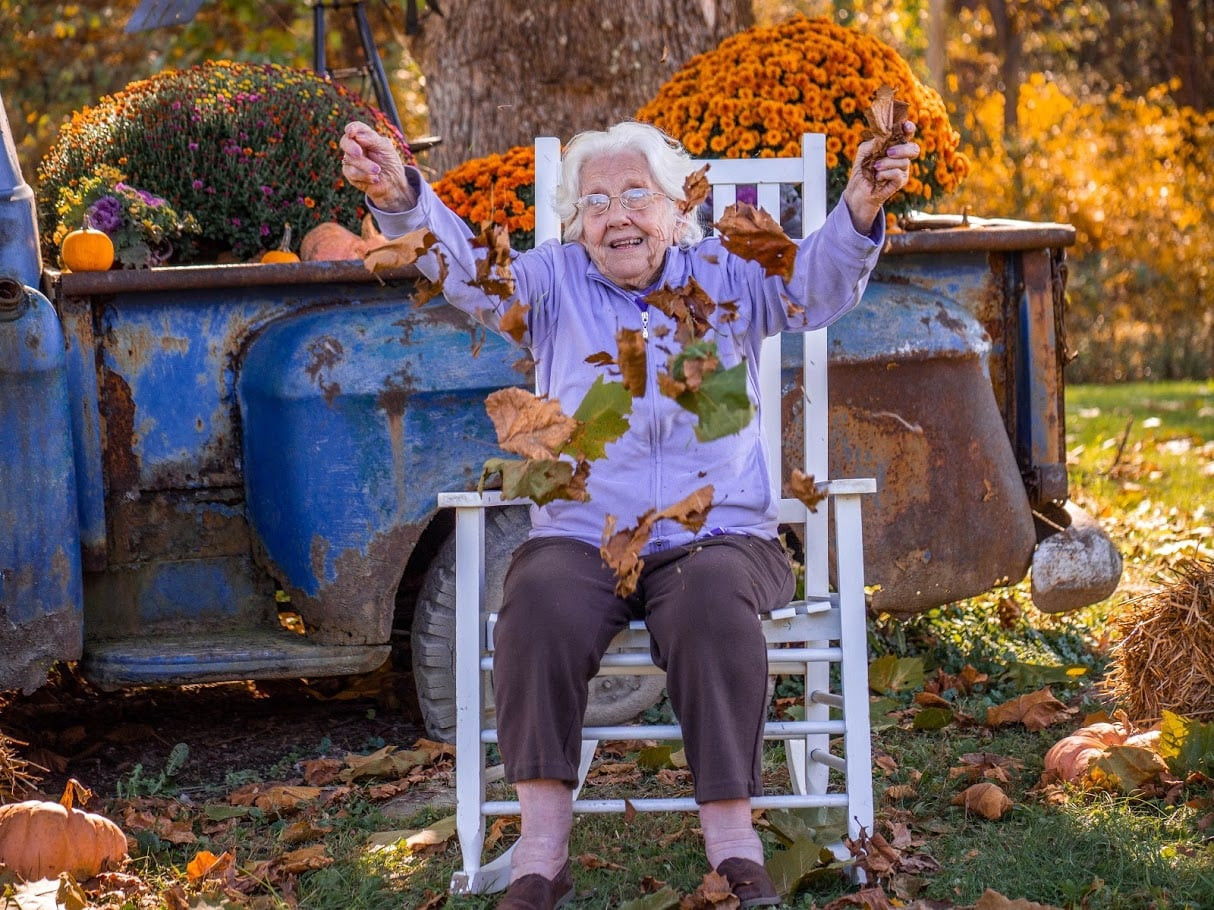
x,y
242,147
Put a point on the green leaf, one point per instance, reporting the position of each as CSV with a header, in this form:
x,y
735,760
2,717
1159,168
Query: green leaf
x,y
932,719
803,861
665,899
1131,766
721,403
821,824
601,417
1037,676
1187,745
538,479
879,710
889,675
652,758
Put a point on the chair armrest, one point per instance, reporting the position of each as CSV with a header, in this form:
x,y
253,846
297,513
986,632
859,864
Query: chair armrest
x,y
465,499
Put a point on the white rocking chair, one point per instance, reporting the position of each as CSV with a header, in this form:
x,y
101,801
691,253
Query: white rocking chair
x,y
805,638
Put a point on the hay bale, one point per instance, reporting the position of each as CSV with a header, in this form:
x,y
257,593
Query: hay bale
x,y
1164,657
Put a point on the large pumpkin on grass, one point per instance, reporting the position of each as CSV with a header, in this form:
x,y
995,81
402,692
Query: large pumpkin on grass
x,y
41,839
1069,758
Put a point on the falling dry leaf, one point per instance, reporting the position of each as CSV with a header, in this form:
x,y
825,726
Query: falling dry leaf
x,y
753,234
528,425
621,550
400,252
632,361
985,799
514,321
689,306
494,275
695,190
1036,711
803,488
886,118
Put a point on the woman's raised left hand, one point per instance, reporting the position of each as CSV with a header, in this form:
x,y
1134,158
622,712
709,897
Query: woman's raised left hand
x,y
864,198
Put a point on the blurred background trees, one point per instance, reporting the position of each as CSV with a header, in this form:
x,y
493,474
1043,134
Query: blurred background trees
x,y
1097,113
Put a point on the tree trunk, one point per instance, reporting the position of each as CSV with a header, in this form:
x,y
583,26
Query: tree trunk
x,y
499,72
1187,60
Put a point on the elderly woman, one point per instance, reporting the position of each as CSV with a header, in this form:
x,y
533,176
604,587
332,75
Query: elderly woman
x,y
699,593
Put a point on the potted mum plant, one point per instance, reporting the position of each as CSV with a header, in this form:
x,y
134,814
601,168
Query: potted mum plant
x,y
245,148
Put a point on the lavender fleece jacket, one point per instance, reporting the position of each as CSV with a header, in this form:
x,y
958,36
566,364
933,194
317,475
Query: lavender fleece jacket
x,y
576,312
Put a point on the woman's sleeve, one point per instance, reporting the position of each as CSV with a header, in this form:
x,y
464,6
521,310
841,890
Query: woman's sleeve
x,y
831,271
453,261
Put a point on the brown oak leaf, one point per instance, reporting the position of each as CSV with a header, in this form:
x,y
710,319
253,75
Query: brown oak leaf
x,y
1036,711
528,425
985,799
514,321
633,371
753,234
493,273
621,550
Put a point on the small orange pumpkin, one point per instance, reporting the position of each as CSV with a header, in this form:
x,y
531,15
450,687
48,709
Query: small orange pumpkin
x,y
283,252
87,249
41,839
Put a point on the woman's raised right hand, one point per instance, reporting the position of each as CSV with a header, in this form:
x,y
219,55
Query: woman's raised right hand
x,y
370,162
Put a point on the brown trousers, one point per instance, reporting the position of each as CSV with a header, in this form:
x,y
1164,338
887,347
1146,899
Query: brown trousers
x,y
701,604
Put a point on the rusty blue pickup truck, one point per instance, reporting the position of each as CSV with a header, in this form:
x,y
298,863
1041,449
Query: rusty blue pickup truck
x,y
190,454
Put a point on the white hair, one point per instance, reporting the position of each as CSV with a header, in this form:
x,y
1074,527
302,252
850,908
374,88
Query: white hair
x,y
669,165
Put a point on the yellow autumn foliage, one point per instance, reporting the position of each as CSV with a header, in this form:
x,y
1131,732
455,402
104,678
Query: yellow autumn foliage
x,y
1135,176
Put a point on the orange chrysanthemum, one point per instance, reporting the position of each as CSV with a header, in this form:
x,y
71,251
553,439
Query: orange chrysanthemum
x,y
805,76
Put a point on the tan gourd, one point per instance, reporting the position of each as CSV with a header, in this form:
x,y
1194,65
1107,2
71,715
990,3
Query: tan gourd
x,y
41,839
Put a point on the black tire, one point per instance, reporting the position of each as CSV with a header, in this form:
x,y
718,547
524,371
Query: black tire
x,y
613,699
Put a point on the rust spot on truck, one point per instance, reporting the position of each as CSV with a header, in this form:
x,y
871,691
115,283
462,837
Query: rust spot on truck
x,y
356,607
326,352
117,407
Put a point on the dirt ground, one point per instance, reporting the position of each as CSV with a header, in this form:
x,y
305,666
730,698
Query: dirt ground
x,y
74,730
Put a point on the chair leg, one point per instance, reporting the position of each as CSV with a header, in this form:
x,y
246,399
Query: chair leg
x,y
469,711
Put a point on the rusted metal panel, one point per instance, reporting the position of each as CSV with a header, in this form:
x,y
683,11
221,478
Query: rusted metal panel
x,y
353,420
950,518
1040,433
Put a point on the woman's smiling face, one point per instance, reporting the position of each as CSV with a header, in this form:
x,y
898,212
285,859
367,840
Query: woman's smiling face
x,y
627,245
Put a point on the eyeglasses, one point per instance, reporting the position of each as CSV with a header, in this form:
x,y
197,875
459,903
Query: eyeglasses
x,y
632,200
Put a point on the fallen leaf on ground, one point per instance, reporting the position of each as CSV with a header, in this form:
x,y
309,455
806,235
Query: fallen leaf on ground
x,y
985,799
993,900
1036,711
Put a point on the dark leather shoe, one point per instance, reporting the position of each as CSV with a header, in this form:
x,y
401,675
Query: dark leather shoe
x,y
534,892
749,882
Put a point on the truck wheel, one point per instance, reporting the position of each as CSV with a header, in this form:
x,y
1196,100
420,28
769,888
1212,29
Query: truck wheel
x,y
613,699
